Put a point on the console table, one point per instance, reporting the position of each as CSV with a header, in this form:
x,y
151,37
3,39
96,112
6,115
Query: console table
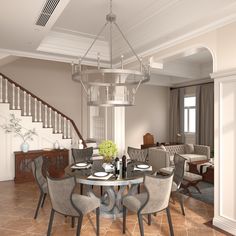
x,y
57,160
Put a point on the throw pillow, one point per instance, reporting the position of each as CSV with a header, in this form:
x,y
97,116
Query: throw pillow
x,y
163,147
189,148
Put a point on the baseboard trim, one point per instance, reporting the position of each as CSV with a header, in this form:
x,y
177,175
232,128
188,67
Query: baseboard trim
x,y
225,224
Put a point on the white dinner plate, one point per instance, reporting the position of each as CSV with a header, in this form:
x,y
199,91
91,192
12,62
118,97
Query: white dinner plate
x,y
100,174
81,164
143,166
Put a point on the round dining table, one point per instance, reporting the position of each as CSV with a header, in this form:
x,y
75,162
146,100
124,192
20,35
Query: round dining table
x,y
114,188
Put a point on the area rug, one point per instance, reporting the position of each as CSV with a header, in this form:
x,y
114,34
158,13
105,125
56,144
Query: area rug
x,y
206,195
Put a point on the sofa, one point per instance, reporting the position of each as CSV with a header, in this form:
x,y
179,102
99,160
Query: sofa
x,y
163,156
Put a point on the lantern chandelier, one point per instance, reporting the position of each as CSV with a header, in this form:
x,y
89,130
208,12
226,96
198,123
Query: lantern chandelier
x,y
110,86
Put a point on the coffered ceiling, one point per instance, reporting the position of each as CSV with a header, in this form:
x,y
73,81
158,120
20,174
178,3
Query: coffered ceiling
x,y
74,24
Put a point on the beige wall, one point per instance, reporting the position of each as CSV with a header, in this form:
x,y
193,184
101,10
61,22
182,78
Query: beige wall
x,y
51,81
149,115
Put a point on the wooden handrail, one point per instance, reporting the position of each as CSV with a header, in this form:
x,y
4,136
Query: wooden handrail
x,y
45,103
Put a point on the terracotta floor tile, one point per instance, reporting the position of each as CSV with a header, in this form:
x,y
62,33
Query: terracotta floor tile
x,y
18,203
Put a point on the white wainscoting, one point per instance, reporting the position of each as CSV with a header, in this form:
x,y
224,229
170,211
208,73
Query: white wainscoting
x,y
10,143
225,151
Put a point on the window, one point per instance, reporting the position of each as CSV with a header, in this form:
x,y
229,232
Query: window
x,y
190,114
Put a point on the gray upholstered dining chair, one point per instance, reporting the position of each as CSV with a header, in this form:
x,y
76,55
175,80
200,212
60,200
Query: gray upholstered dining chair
x,y
179,169
82,154
37,167
64,201
136,154
155,199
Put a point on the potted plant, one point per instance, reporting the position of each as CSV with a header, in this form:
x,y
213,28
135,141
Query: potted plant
x,y
108,150
14,126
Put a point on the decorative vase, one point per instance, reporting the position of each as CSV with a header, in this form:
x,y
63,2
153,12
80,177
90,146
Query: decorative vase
x,y
56,145
24,147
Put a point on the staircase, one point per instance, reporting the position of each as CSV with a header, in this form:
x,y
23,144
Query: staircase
x,y
50,124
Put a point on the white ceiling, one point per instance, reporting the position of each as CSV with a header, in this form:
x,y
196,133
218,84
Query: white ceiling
x,y
73,25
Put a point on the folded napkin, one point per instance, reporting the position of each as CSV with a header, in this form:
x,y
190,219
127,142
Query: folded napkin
x,y
80,167
147,169
103,178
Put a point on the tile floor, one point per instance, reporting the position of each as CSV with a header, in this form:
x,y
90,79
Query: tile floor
x,y
18,203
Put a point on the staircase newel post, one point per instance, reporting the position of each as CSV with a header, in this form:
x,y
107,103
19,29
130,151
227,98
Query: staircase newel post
x,y
64,131
29,97
1,90
68,129
40,111
45,116
35,110
59,123
24,101
50,117
18,98
6,91
13,96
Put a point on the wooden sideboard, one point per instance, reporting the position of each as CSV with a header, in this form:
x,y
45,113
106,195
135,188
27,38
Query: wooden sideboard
x,y
57,161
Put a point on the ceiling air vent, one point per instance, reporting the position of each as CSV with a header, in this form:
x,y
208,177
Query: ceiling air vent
x,y
46,12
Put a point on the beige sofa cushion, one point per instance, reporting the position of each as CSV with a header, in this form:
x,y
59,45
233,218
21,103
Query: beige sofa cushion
x,y
189,148
194,157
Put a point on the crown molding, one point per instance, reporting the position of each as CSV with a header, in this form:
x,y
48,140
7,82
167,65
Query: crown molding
x,y
223,73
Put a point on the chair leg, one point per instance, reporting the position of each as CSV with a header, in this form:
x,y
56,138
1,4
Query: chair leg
x,y
124,219
181,203
44,196
138,188
50,222
97,220
101,190
39,203
81,189
140,222
79,225
169,221
149,219
72,222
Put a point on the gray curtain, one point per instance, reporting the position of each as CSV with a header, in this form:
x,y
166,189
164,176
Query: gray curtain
x,y
174,115
205,115
181,115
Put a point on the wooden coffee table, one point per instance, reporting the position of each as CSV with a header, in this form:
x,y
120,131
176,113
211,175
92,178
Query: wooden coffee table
x,y
207,176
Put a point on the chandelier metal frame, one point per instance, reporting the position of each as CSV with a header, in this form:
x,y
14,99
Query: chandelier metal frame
x,y
110,86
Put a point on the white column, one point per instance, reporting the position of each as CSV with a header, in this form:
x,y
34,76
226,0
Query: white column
x,y
35,110
29,98
40,111
45,116
50,117
18,98
13,97
55,122
24,103
119,129
225,150
1,90
6,91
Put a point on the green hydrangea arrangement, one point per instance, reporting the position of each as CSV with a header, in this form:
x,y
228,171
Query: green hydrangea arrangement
x,y
108,150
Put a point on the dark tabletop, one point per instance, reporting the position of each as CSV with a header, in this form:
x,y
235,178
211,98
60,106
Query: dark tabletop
x,y
96,166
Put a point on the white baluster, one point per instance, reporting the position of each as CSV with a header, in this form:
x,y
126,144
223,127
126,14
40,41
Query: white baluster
x,y
59,123
6,91
50,117
35,110
29,97
64,132
45,116
13,96
1,90
68,129
18,98
40,111
24,101
55,122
